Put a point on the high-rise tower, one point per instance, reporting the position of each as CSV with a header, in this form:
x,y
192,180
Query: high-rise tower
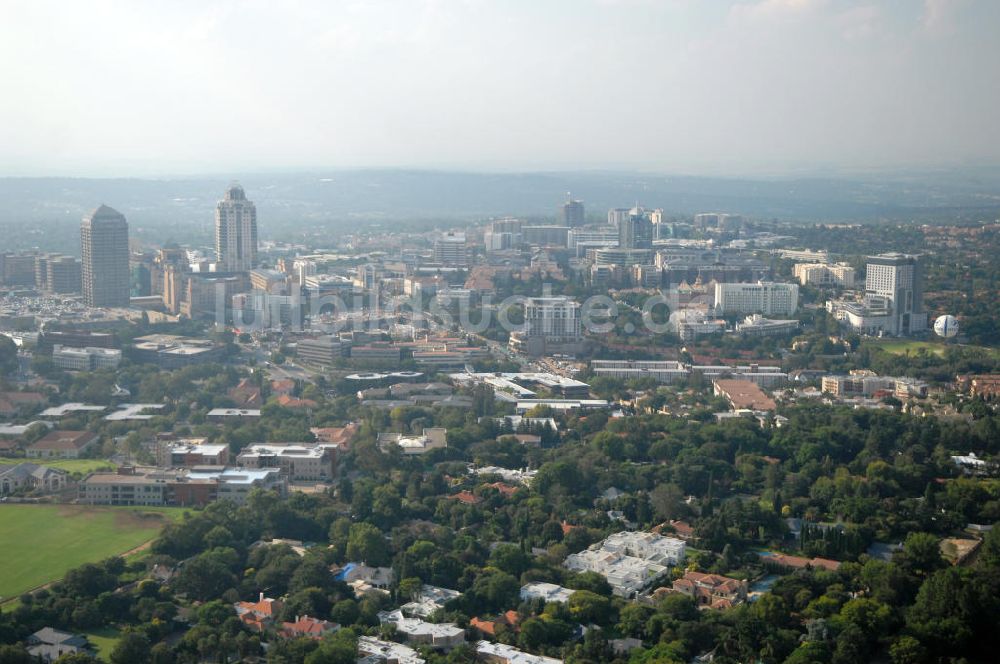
x,y
571,213
104,247
236,232
897,282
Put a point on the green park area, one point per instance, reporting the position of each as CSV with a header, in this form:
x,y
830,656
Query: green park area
x,y
42,542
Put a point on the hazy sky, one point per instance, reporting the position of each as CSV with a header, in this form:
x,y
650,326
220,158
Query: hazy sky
x,y
683,86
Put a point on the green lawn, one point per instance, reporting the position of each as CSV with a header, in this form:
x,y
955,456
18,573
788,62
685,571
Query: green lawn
x,y
902,346
82,466
104,641
43,542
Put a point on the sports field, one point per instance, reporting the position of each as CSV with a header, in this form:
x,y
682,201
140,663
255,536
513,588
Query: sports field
x,y
43,542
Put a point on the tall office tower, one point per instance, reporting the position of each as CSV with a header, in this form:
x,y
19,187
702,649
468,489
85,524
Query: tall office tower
x,y
571,214
452,250
42,271
17,269
104,246
236,232
897,280
617,216
64,274
636,231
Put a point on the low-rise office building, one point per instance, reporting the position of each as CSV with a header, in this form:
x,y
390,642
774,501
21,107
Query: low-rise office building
x,y
301,462
85,359
184,487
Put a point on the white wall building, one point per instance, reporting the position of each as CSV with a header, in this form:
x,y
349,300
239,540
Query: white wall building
x,y
767,298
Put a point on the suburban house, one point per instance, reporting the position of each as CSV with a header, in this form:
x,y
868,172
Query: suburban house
x,y
509,620
311,628
711,590
363,578
436,635
258,615
48,644
431,439
340,437
62,445
376,651
246,395
500,653
31,476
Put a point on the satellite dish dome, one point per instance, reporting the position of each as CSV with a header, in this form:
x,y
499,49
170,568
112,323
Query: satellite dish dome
x,y
946,326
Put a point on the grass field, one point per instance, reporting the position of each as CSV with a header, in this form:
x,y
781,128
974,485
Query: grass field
x,y
81,466
904,346
43,542
104,641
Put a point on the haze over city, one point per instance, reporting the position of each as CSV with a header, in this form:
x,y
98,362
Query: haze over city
x,y
755,87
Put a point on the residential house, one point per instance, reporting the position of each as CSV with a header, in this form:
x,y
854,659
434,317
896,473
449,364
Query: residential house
x,y
259,615
711,590
305,626
441,636
48,644
499,653
376,651
246,394
429,600
510,620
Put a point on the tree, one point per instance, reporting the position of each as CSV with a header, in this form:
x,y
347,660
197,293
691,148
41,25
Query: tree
x,y
921,554
205,577
907,650
589,607
15,655
8,356
365,543
131,647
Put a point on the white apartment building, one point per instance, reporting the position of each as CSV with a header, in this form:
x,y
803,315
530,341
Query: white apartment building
x,y
664,371
840,275
763,297
451,249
